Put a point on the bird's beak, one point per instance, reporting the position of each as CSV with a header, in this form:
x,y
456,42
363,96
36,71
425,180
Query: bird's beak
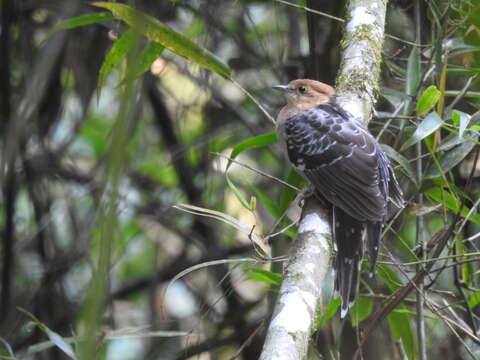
x,y
281,87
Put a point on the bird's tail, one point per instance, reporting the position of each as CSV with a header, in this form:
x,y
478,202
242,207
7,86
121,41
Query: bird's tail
x,y
348,239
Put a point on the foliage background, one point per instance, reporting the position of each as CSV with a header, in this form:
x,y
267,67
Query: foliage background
x,y
95,153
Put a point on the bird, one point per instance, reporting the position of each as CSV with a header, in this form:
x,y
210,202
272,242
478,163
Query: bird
x,y
346,167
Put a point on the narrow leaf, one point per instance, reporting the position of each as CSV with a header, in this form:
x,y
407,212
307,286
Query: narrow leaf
x,y
265,276
144,60
78,21
398,321
461,119
439,195
474,299
389,277
427,100
274,210
172,40
361,309
117,53
259,242
332,308
463,71
399,325
421,210
449,160
238,194
428,125
413,71
52,335
254,142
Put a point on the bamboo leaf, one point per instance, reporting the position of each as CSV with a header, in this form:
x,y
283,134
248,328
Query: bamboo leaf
x,y
449,160
399,324
440,196
462,120
474,299
253,142
265,276
361,309
236,191
428,99
170,39
428,125
52,335
78,21
288,194
274,210
332,308
413,71
145,59
117,53
229,220
257,141
398,320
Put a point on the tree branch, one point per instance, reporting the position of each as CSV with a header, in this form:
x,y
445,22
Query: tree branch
x,y
293,317
357,81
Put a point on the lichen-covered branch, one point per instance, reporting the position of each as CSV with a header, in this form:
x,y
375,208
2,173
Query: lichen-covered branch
x,y
294,314
357,80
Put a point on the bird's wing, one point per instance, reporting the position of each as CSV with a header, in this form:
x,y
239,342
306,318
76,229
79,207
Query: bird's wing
x,y
341,159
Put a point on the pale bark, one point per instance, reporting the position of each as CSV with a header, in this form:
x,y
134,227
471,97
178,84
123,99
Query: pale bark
x,y
296,309
357,80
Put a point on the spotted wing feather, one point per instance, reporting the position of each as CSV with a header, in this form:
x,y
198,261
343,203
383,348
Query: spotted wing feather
x,y
341,159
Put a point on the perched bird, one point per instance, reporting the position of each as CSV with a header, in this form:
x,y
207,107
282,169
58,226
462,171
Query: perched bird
x,y
347,167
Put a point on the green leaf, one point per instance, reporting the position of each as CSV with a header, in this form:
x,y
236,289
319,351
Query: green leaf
x,y
78,21
399,324
361,309
253,142
395,97
257,141
474,299
332,308
389,277
450,202
428,125
463,71
170,39
468,94
144,60
449,160
398,319
117,53
274,210
461,119
265,276
413,71
402,160
52,335
288,194
428,99
458,45
245,203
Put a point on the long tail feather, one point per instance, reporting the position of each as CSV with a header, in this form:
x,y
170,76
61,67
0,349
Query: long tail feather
x,y
348,237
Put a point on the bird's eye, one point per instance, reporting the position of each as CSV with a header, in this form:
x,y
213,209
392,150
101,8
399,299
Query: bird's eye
x,y
302,89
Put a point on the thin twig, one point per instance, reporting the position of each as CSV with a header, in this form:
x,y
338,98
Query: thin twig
x,y
257,171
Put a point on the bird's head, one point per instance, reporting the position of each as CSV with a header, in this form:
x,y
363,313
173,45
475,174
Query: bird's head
x,y
306,93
